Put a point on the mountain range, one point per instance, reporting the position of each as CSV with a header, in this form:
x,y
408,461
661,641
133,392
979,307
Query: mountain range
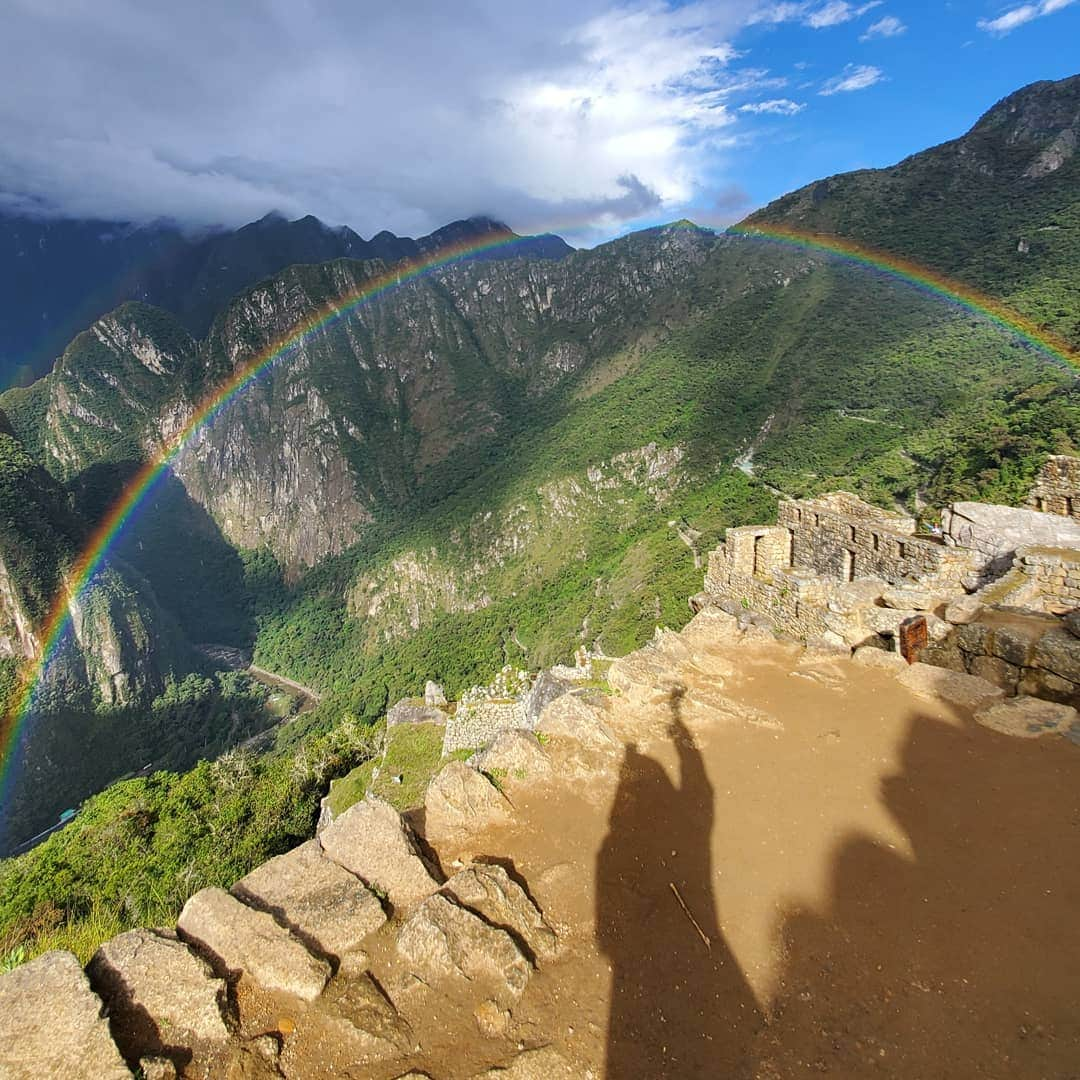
x,y
502,457
60,275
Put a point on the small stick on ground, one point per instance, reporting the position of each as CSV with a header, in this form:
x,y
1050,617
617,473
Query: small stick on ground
x,y
682,903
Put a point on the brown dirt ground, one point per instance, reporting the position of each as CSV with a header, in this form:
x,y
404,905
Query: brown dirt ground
x,y
887,889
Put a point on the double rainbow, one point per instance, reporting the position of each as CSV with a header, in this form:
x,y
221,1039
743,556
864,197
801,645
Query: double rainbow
x,y
81,573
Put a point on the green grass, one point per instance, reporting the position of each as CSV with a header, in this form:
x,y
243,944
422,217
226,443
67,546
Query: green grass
x,y
413,752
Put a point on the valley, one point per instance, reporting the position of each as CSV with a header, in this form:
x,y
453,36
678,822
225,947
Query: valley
x,y
494,462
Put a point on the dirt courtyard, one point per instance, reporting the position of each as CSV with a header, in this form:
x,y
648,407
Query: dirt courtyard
x,y
793,866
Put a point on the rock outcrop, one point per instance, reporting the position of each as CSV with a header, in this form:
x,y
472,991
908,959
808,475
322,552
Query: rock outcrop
x,y
51,1024
371,841
442,942
242,941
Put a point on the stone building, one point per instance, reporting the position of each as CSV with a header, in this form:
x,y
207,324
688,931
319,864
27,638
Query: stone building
x,y
993,585
823,569
1057,489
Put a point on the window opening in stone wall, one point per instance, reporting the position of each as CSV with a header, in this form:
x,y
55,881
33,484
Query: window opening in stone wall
x,y
849,565
877,542
1068,506
851,533
757,555
901,549
1040,503
790,547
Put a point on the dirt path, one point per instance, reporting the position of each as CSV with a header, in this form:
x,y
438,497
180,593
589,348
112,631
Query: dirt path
x,y
787,865
888,888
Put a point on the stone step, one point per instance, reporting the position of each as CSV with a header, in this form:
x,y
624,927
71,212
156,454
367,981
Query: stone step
x,y
51,1024
239,940
372,841
325,906
163,1000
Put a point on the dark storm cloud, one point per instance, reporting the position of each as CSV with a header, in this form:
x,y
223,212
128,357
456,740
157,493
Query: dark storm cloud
x,y
574,114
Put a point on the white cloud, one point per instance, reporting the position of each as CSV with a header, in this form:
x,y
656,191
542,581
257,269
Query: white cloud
x,y
837,12
776,106
816,16
853,77
886,27
1025,13
588,112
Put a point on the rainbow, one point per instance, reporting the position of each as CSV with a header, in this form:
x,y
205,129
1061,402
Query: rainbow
x,y
921,277
91,558
82,571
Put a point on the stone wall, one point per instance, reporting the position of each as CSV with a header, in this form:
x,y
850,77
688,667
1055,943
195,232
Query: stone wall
x,y
842,537
475,726
1057,489
822,571
1041,579
1022,652
994,534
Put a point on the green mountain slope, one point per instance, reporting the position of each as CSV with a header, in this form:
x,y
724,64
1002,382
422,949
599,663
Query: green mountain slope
x,y
999,208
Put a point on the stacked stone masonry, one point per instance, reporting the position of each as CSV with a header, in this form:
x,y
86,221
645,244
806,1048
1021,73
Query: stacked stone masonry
x,y
836,568
1057,489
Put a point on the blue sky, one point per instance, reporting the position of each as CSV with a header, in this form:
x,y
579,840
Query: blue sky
x,y
586,117
929,71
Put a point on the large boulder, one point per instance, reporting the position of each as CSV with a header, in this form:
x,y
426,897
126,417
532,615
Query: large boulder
x,y
514,756
1059,651
241,940
572,717
434,694
965,691
1028,717
321,902
461,799
51,1024
442,941
162,999
489,890
372,841
544,691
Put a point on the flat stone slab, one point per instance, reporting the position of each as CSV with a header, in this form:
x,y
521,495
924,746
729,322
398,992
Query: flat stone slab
x,y
441,940
1028,717
460,799
161,997
243,940
51,1024
372,841
490,891
408,711
320,901
965,691
868,656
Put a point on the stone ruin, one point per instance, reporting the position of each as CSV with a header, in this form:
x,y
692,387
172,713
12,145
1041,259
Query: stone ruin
x,y
996,585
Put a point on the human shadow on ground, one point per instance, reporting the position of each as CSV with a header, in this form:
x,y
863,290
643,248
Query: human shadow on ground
x,y
681,1005
962,956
